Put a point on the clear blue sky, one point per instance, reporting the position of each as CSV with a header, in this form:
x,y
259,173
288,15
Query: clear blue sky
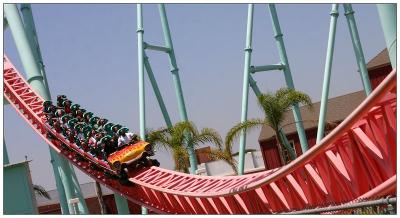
x,y
90,53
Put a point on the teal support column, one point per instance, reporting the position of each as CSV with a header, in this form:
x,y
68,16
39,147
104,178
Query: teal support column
x,y
122,204
34,77
82,206
30,31
157,91
246,79
142,102
388,15
176,80
327,72
355,39
288,75
6,160
60,187
65,176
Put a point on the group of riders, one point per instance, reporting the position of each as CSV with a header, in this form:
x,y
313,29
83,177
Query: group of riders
x,y
92,134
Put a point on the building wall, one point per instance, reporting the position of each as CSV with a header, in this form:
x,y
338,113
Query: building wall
x,y
270,152
18,191
94,206
377,75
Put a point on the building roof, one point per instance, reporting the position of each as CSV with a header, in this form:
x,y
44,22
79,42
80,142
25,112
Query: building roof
x,y
87,189
381,59
338,108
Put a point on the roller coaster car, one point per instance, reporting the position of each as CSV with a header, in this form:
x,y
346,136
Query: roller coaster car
x,y
131,157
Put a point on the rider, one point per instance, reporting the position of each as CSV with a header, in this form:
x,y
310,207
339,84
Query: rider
x,y
125,137
67,106
86,116
60,99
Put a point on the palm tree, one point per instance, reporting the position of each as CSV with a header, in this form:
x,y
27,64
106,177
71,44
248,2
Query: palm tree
x,y
179,137
39,190
274,107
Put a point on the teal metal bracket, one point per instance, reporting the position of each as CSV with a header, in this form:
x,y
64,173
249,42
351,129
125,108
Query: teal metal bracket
x,y
156,47
254,69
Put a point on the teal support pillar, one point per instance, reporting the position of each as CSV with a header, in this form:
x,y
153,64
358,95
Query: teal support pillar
x,y
59,184
355,39
157,91
388,16
34,77
176,80
246,79
6,160
327,72
142,102
122,204
82,206
288,75
30,31
67,180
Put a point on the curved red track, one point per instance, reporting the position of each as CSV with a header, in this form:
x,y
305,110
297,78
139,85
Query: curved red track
x,y
356,160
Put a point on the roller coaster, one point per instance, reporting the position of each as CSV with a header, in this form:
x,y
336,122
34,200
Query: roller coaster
x,y
362,146
356,160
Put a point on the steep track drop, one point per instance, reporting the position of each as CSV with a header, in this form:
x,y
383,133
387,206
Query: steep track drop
x,y
357,159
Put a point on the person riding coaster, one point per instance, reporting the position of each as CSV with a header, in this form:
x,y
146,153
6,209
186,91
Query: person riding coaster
x,y
114,144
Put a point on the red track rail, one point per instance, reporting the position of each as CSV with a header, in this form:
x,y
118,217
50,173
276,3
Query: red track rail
x,y
356,157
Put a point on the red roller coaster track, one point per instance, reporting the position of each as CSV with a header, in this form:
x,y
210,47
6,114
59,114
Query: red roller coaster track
x,y
356,160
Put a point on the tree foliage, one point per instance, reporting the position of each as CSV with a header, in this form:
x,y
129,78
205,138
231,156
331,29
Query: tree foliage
x,y
274,107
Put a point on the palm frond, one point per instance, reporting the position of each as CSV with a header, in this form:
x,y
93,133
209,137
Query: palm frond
x,y
290,97
273,111
159,139
39,190
237,129
206,135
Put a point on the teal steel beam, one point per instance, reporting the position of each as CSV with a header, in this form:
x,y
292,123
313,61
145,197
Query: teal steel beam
x,y
59,184
30,31
65,175
176,80
327,72
246,78
122,204
82,207
32,71
253,85
254,69
156,90
288,76
142,102
355,39
155,47
388,15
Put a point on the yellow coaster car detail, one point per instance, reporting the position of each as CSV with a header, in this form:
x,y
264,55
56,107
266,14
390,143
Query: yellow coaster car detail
x,y
128,153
